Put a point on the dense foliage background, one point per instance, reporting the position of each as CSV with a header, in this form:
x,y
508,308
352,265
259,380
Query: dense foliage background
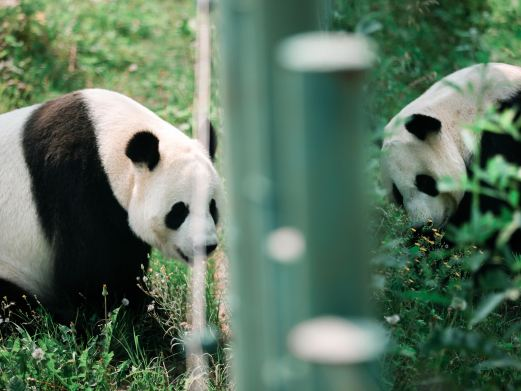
x,y
453,314
452,326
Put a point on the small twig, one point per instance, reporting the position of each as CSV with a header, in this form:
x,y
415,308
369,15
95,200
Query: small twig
x,y
105,293
196,359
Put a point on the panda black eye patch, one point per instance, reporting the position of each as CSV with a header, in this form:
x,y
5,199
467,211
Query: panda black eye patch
x,y
177,215
398,198
422,125
426,184
214,212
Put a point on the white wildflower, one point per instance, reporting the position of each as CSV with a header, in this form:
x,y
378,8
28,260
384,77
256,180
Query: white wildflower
x,y
151,307
458,304
38,354
125,302
393,319
512,294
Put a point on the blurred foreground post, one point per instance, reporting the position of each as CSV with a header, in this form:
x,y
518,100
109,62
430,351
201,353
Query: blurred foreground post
x,y
262,290
294,150
323,91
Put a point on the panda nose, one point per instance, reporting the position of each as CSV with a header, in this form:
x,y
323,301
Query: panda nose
x,y
210,248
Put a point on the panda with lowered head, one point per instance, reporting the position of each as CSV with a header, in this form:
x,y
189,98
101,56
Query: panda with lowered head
x,y
426,141
89,182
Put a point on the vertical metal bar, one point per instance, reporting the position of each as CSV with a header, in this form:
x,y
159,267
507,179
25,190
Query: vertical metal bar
x,y
324,89
262,296
325,14
294,148
327,73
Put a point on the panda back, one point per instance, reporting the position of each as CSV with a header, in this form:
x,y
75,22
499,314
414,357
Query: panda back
x,y
24,251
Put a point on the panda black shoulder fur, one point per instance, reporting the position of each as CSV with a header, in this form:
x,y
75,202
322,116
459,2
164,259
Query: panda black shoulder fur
x,y
89,182
426,141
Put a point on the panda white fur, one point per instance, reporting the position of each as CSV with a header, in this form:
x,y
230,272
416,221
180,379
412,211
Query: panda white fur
x,y
426,141
88,183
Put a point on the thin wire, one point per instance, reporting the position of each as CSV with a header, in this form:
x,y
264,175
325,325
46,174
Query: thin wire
x,y
197,363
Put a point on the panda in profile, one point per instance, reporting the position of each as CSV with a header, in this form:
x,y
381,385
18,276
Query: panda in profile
x,y
425,141
89,182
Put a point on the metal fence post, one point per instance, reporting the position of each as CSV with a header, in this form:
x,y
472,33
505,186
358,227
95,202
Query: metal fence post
x,y
270,174
324,90
260,288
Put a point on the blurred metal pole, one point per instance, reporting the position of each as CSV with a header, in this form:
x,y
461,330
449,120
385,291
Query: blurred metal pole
x,y
262,294
273,118
324,93
325,14
323,88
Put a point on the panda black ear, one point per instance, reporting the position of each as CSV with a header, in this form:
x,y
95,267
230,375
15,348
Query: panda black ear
x,y
212,143
143,148
422,125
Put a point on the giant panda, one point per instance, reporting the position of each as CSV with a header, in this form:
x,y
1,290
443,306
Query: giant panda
x,y
89,183
426,141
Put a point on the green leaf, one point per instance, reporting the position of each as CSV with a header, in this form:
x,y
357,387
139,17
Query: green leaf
x,y
506,118
477,259
16,384
446,184
507,231
368,26
499,363
83,358
407,351
488,305
513,198
16,346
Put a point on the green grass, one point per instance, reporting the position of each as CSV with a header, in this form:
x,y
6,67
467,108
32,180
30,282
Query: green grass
x,y
141,48
144,49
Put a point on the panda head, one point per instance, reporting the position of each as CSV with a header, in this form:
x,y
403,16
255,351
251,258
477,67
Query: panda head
x,y
175,196
415,155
